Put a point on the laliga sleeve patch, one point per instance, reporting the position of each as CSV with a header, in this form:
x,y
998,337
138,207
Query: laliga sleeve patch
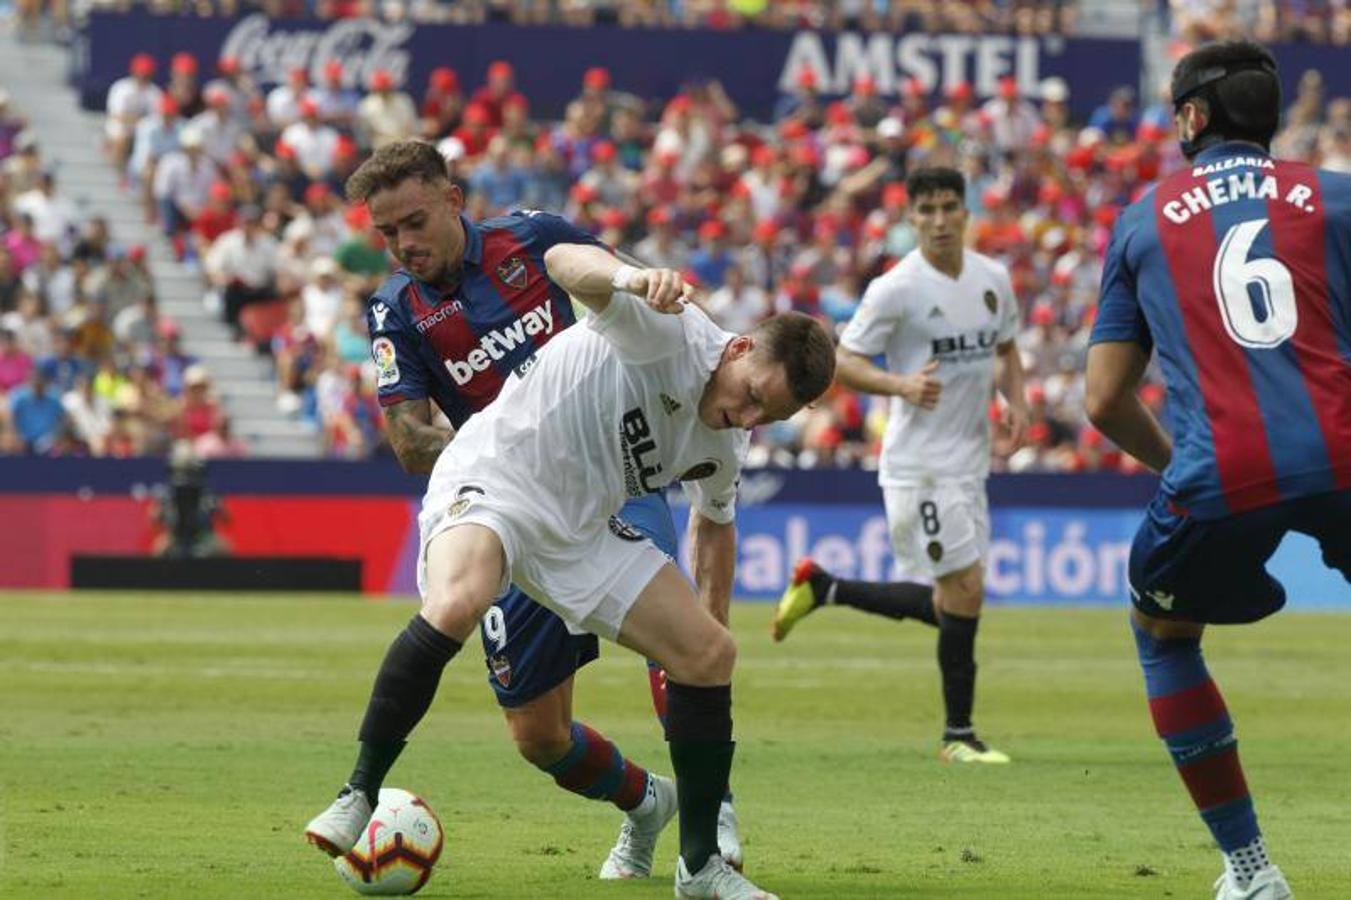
x,y
386,362
624,531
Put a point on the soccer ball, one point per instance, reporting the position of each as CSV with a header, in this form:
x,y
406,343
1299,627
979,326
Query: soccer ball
x,y
400,846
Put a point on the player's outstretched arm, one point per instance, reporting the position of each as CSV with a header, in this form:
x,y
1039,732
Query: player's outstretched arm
x,y
1113,372
856,371
416,441
592,274
713,561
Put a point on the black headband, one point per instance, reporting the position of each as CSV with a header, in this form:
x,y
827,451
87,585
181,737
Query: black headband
x,y
1211,74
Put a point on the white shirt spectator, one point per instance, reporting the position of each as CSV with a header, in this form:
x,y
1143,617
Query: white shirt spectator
x,y
1012,123
220,134
53,215
387,117
316,146
128,101
236,256
324,233
283,104
155,136
185,181
322,299
738,310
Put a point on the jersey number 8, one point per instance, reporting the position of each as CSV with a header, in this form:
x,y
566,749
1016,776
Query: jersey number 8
x,y
1232,276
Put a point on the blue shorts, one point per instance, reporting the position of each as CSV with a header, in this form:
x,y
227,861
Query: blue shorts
x,y
1214,571
528,649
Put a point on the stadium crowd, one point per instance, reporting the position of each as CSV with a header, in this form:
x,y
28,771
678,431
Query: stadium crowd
x,y
799,213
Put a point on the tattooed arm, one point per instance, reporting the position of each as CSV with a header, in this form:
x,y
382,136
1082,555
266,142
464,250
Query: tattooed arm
x,y
416,441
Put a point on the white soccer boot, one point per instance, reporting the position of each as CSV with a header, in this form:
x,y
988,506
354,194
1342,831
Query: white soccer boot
x,y
717,880
631,856
729,839
1268,884
337,829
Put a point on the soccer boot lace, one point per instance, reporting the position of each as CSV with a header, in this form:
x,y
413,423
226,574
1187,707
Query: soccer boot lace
x,y
1268,884
798,601
729,839
631,856
971,750
718,880
337,829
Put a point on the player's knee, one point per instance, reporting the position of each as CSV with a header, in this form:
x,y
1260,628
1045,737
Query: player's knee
x,y
455,609
962,592
711,663
543,748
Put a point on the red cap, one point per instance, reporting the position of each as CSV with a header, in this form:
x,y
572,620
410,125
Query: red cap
x,y
679,103
168,106
914,88
1008,88
659,215
167,328
1036,393
500,71
806,78
1090,437
711,229
216,96
143,64
477,114
443,78
1050,193
667,158
894,195
284,150
865,86
228,65
317,191
381,80
309,107
1038,433
1080,158
838,113
183,64
345,148
298,74
793,129
357,216
805,155
516,101
1152,394
1105,215
583,193
960,91
1043,314
763,155
333,70
992,197
136,253
739,190
597,78
604,151
765,230
1150,133
613,218
220,191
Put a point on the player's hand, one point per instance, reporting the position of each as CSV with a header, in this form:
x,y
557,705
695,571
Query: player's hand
x,y
1015,420
664,290
922,388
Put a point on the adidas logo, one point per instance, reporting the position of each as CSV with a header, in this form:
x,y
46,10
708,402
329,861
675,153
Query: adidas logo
x,y
935,313
670,405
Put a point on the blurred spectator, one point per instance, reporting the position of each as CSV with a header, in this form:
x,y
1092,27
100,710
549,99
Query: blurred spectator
x,y
198,411
242,265
442,103
283,101
499,90
385,115
220,131
53,216
90,416
16,365
183,184
183,85
130,98
363,252
337,103
737,305
498,179
1116,118
315,143
11,126
37,413
156,136
322,298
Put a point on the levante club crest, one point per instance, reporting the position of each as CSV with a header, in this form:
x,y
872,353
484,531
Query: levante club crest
x,y
512,271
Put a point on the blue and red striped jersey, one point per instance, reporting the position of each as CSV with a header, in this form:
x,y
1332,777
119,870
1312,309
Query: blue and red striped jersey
x,y
1238,269
459,348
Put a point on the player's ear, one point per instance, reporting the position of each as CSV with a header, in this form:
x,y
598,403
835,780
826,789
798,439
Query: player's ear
x,y
741,345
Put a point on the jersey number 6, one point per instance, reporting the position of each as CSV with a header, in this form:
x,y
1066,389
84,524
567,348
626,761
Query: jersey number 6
x,y
1234,274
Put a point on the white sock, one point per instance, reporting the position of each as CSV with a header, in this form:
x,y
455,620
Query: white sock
x,y
1246,861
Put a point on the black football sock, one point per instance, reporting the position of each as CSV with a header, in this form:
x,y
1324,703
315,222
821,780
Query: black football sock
x,y
403,691
699,731
893,599
957,662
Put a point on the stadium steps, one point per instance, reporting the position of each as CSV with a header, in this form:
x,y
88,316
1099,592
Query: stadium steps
x,y
71,141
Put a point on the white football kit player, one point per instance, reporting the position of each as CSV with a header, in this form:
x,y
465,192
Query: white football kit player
x,y
609,410
934,462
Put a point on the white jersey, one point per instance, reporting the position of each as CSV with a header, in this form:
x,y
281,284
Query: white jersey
x,y
608,410
914,313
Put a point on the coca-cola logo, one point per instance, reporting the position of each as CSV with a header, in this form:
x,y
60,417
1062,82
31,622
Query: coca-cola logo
x,y
361,45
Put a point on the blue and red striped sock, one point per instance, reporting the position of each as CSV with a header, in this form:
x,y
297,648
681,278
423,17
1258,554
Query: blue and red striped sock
x,y
1190,715
595,768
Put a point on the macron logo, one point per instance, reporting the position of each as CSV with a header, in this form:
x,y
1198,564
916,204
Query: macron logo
x,y
496,344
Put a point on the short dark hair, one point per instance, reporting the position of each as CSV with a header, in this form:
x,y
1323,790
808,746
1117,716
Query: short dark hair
x,y
933,179
1238,82
392,165
804,348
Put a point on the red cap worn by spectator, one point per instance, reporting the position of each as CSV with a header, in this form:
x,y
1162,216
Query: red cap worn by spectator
x,y
298,75
603,152
1050,193
381,80
167,328
357,217
1080,158
805,155
309,107
136,253
874,230
1105,215
894,195
914,88
1043,314
284,150
766,230
793,129
1150,133
659,215
680,103
168,106
228,65
865,86
183,64
220,192
444,79
1008,88
333,71
216,96
712,229
838,113
143,64
317,192
1036,394
1090,437
993,197
763,155
345,147
806,79
597,78
516,101
613,218
500,70
477,114
1038,433
583,193
960,91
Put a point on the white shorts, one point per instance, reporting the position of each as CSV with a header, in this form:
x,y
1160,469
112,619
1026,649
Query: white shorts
x,y
938,529
589,575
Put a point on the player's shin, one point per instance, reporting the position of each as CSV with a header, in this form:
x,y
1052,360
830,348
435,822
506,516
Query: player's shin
x,y
403,692
957,663
699,730
595,768
1190,715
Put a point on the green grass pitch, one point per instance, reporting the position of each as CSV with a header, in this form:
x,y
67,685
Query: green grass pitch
x,y
174,746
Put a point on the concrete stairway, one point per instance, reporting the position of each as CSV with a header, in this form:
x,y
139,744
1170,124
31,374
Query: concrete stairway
x,y
71,142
